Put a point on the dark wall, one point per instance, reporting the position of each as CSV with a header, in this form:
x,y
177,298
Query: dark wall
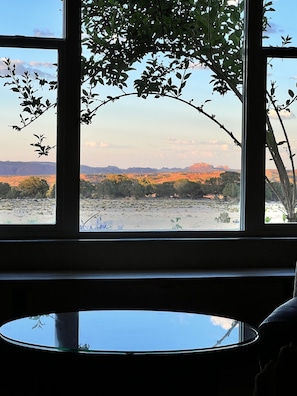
x,y
148,254
245,297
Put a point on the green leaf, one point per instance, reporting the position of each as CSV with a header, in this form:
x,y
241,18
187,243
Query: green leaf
x,y
291,93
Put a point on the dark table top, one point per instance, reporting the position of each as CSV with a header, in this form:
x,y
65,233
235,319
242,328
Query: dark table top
x,y
128,331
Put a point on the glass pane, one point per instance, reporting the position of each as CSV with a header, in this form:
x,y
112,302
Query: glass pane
x,y
32,18
130,331
281,19
162,151
27,179
281,142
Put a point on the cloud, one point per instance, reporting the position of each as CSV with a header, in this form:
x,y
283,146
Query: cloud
x,y
93,144
203,154
272,28
197,65
224,147
31,67
220,144
285,114
42,64
43,33
181,142
233,2
225,323
190,148
19,66
215,142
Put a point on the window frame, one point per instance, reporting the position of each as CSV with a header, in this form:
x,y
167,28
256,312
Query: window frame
x,y
68,139
68,127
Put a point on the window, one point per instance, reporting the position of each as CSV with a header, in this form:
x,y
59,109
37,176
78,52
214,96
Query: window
x,y
281,123
43,19
35,63
126,133
19,180
165,138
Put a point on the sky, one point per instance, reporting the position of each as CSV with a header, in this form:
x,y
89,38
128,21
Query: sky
x,y
145,133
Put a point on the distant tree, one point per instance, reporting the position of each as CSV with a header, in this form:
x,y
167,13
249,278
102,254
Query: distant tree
x,y
52,192
213,185
105,189
229,177
270,192
125,187
139,190
33,187
14,193
5,189
230,184
87,189
231,190
187,189
164,190
147,186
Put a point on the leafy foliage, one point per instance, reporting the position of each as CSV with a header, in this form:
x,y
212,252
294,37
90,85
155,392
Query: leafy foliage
x,y
168,38
41,149
33,106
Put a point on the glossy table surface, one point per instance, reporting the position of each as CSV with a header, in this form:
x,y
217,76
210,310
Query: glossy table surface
x,y
128,332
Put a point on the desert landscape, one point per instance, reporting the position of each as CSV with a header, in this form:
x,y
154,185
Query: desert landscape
x,y
138,215
129,214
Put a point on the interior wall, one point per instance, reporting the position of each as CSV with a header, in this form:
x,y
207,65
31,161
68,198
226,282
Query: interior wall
x,y
248,299
148,254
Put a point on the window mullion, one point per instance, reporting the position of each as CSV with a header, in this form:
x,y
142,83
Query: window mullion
x,y
68,166
253,155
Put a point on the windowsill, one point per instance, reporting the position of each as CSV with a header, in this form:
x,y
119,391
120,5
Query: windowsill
x,y
150,275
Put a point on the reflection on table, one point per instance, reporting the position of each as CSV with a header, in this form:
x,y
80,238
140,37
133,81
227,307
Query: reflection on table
x,y
128,331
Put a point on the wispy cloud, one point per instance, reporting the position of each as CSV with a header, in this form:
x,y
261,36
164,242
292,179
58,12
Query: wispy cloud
x,y
181,142
215,144
189,148
272,28
42,64
197,65
285,114
19,66
93,144
31,67
43,33
225,323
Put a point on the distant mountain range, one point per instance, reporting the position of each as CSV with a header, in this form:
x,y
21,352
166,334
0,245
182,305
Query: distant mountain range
x,y
35,168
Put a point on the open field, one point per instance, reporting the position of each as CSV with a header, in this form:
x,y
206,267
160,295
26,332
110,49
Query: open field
x,y
158,214
130,214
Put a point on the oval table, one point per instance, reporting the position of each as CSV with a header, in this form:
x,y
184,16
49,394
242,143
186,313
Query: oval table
x,y
136,351
128,332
